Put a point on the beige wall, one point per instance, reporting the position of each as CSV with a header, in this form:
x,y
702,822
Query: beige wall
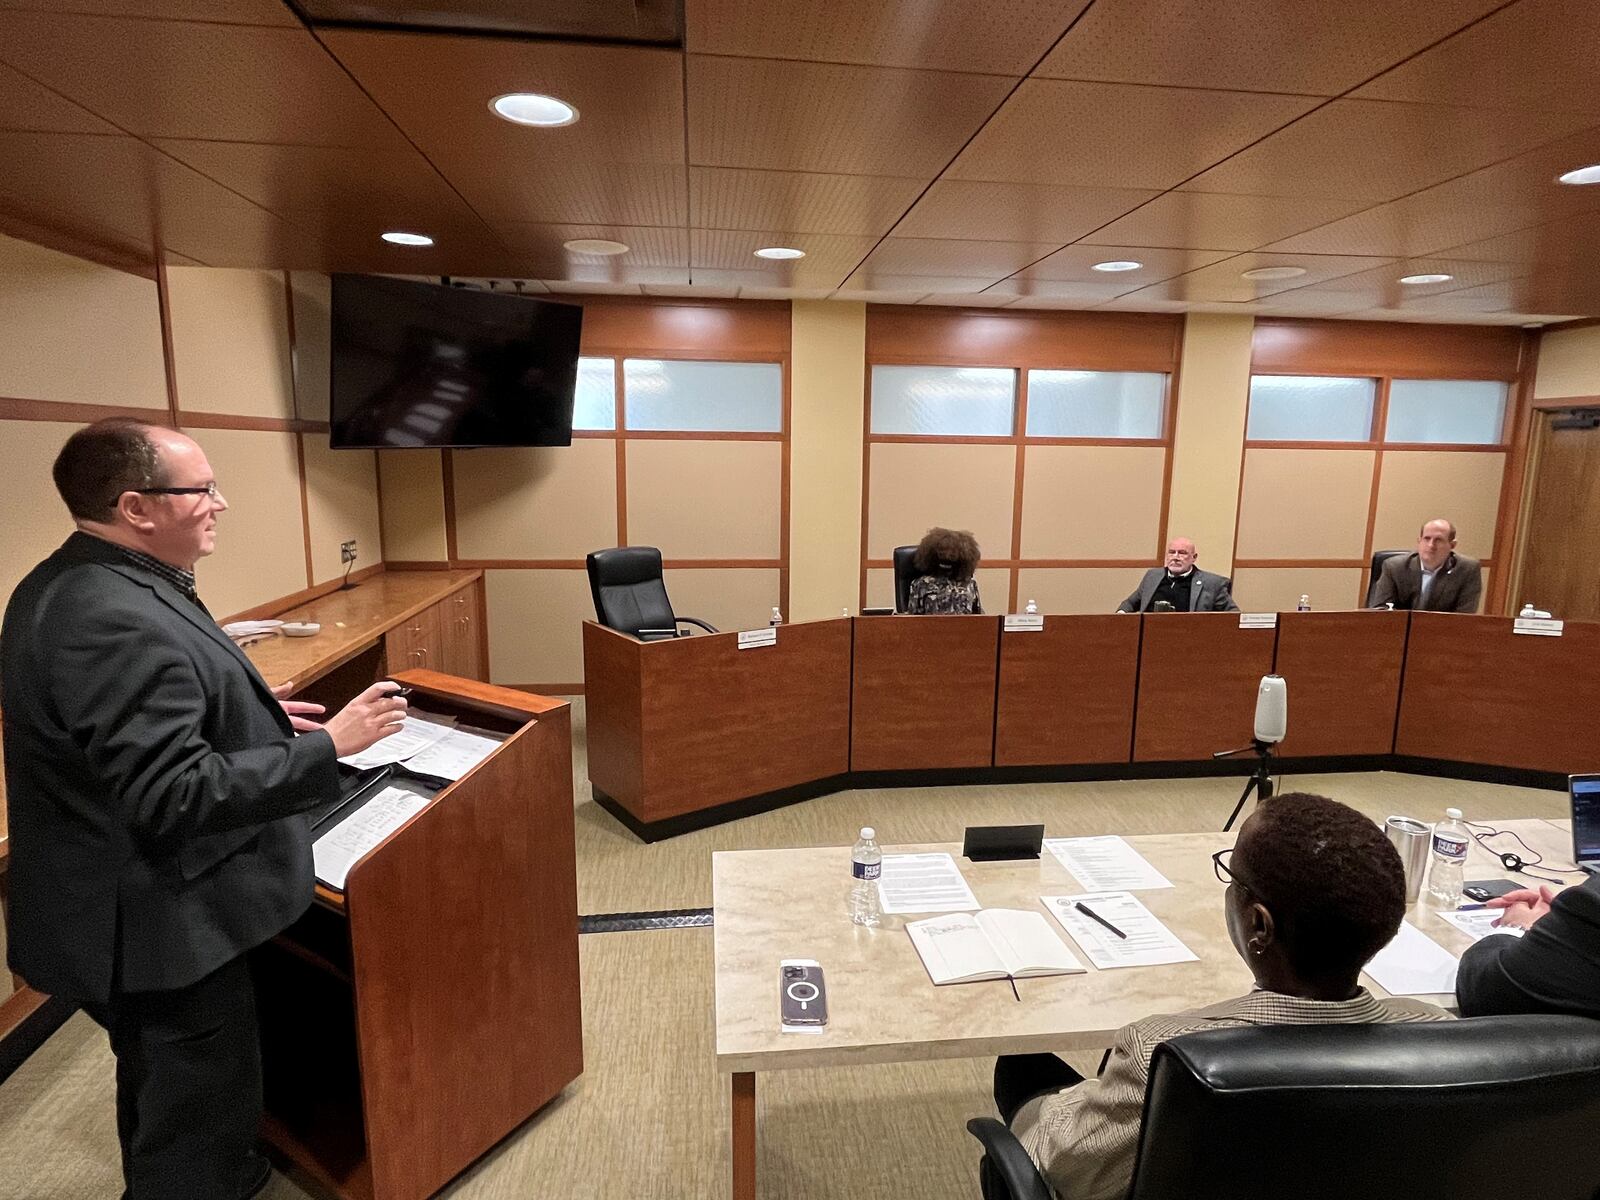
x,y
411,487
827,400
1569,363
1092,502
1418,485
544,503
1213,398
1278,589
230,341
914,486
1304,504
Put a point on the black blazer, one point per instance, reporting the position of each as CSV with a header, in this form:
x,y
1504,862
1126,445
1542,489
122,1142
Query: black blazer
x,y
1553,968
1456,588
153,782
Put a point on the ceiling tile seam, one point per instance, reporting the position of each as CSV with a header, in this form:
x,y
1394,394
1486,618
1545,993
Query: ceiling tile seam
x,y
1434,289
156,19
688,167
448,182
828,62
1303,116
982,125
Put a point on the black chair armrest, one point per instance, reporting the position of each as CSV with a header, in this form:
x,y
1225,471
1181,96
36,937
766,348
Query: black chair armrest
x,y
657,635
697,621
1008,1160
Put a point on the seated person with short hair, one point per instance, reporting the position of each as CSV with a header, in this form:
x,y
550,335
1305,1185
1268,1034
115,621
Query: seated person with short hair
x,y
1314,891
1180,586
1553,968
1434,577
945,562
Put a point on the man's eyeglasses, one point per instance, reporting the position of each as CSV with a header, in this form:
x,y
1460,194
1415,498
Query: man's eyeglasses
x,y
1222,864
209,489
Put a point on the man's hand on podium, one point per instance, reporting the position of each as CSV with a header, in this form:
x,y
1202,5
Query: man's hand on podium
x,y
298,710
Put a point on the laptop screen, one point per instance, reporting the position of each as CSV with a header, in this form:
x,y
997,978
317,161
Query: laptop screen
x,y
1585,817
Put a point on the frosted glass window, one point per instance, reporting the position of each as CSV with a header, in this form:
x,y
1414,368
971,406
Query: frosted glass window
x,y
1095,404
703,396
1310,408
594,403
946,401
1451,411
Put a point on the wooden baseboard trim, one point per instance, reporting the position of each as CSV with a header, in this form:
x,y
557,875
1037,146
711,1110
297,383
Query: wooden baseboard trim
x,y
283,604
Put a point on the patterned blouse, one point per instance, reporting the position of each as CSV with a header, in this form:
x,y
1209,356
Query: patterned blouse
x,y
939,594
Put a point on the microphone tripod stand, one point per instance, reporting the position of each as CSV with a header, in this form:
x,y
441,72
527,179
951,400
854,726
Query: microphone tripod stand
x,y
1260,781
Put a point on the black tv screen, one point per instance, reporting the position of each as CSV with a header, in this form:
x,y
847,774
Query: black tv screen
x,y
422,364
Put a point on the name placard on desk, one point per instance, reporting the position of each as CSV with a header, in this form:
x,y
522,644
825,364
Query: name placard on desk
x,y
1537,626
1024,623
1258,620
749,639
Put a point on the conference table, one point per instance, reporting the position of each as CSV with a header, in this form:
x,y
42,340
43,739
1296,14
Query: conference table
x,y
691,731
777,904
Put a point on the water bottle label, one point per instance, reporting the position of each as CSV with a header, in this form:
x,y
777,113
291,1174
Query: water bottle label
x,y
1447,846
863,870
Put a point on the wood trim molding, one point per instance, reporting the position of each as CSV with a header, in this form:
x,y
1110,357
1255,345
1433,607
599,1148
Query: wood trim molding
x,y
416,565
168,351
1130,564
17,409
578,564
205,420
1380,446
1510,536
305,506
1562,403
126,261
271,608
447,483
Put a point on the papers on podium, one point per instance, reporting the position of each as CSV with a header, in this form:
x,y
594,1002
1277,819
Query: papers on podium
x,y
427,748
997,943
1413,964
335,852
1106,864
1479,923
415,736
1148,942
919,883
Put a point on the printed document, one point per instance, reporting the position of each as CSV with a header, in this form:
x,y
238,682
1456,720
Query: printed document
x,y
1479,923
414,737
918,883
997,943
1147,943
1106,864
1413,964
453,755
336,851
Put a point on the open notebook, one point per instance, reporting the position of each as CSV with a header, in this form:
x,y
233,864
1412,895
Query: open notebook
x,y
996,943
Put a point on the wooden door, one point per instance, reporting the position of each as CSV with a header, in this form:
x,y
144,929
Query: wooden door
x,y
1561,567
461,617
416,642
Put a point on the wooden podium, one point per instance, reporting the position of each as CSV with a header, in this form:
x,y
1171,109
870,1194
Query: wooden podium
x,y
412,1021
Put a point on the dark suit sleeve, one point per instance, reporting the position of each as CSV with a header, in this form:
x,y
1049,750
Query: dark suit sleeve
x,y
1471,591
1131,604
1384,591
1555,967
135,702
1224,599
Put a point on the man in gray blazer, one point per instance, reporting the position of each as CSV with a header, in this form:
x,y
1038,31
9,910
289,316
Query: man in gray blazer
x,y
1181,584
1434,578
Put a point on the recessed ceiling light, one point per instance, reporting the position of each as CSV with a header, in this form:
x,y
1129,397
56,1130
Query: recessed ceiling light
x,y
780,252
1119,264
400,238
1431,277
1273,273
530,108
595,246
1582,175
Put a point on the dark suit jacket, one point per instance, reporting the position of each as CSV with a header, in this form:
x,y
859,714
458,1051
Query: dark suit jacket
x,y
152,782
1208,592
1456,588
1554,967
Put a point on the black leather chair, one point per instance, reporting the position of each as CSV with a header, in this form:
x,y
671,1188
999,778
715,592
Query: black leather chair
x,y
1379,557
631,597
904,573
1450,1110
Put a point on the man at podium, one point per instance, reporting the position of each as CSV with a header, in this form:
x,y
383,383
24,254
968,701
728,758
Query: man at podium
x,y
154,783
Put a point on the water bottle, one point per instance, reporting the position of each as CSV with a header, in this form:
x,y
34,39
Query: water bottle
x,y
1450,841
1305,604
1031,608
777,617
1527,610
866,864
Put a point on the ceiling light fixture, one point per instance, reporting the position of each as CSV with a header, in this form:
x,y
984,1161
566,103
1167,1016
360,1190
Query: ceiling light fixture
x,y
531,108
595,246
1118,265
780,252
1581,175
1273,273
400,238
1431,277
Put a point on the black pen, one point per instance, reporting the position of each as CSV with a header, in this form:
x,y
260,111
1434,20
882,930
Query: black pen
x,y
1094,916
1014,991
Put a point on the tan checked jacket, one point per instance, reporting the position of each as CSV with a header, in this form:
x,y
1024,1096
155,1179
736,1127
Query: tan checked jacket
x,y
1084,1138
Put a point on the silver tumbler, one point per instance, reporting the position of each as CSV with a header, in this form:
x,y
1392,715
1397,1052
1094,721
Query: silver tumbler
x,y
1412,838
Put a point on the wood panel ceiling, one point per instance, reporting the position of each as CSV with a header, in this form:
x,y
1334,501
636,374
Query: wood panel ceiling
x,y
932,151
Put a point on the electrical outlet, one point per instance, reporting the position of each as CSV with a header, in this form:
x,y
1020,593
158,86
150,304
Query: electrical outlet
x,y
347,551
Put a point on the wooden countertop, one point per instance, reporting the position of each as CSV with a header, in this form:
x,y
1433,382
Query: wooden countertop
x,y
351,621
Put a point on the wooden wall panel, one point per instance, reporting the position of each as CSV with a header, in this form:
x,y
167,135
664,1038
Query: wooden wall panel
x,y
1198,676
1066,693
1284,346
1343,676
923,693
750,329
1089,341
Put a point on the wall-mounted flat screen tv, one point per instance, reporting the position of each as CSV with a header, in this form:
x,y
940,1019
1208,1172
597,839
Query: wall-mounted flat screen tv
x,y
423,364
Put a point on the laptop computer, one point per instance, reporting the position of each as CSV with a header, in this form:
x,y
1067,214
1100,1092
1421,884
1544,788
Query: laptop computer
x,y
1585,793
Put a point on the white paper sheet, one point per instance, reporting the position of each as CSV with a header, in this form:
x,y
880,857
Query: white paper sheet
x,y
1106,864
919,883
1479,923
336,851
1148,943
414,737
453,755
1413,965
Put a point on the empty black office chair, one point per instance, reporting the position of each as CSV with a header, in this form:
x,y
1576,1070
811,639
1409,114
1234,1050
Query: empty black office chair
x,y
1379,557
904,573
630,596
1448,1110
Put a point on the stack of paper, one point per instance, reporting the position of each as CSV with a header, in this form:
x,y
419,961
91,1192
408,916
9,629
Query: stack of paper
x,y
414,737
1106,864
918,883
1140,941
1413,964
453,755
336,851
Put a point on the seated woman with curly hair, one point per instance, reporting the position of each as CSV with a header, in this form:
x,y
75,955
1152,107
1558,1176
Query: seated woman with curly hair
x,y
944,562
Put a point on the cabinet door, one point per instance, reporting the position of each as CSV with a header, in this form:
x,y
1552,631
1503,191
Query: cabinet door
x,y
461,616
415,642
